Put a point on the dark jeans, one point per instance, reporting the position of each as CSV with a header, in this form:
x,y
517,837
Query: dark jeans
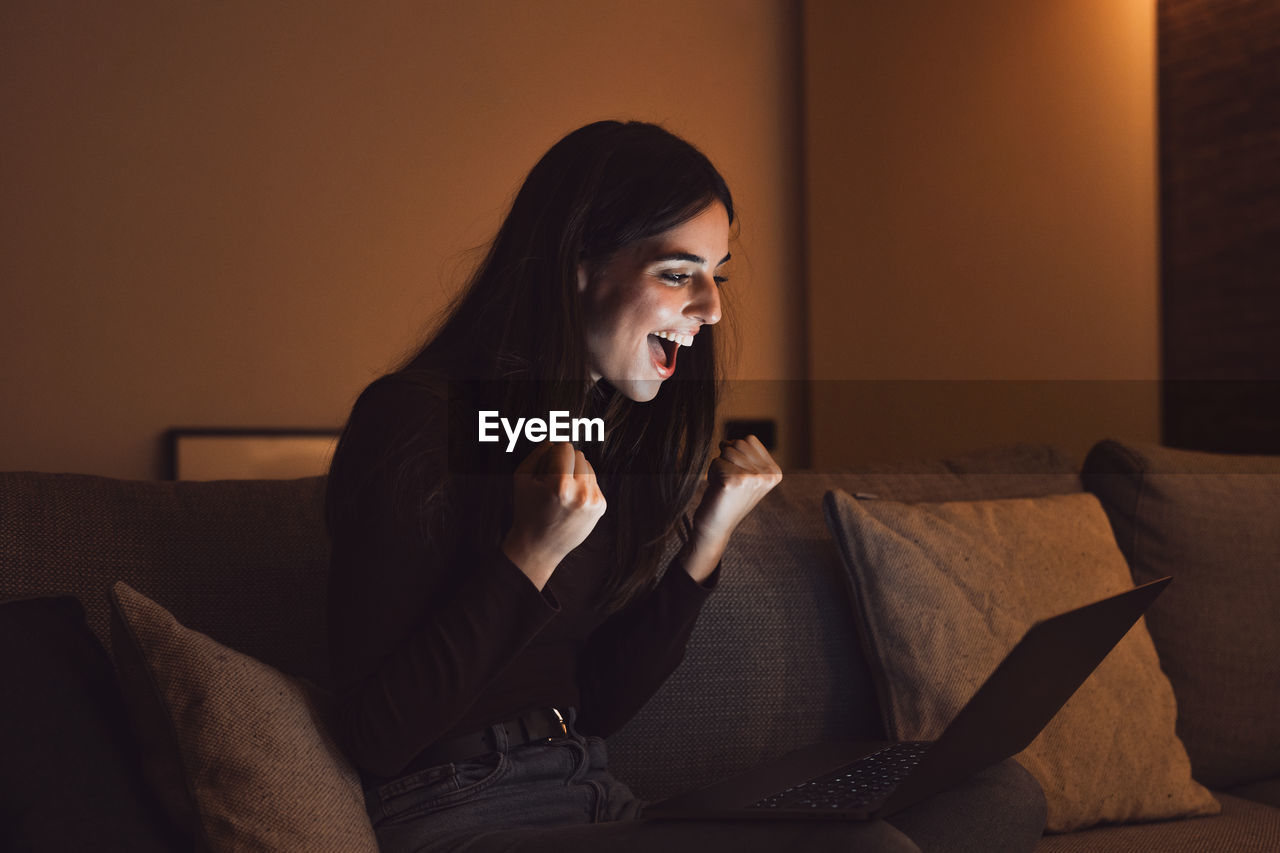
x,y
559,796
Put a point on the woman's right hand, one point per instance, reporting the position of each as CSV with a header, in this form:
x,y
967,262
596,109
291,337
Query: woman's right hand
x,y
557,504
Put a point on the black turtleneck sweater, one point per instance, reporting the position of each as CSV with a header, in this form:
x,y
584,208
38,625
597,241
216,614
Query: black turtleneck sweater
x,y
432,638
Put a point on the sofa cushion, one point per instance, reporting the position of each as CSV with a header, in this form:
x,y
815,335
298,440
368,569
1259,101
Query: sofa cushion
x,y
773,663
1264,791
239,751
1213,522
944,590
69,773
1242,827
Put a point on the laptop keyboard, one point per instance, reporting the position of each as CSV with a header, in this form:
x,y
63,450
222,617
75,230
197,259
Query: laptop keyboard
x,y
862,783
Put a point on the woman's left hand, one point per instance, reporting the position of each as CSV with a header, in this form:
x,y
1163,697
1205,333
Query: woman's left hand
x,y
737,479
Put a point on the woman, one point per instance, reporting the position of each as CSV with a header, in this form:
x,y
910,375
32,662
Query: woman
x,y
500,606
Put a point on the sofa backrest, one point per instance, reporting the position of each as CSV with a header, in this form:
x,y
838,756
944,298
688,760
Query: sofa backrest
x,y
773,663
242,561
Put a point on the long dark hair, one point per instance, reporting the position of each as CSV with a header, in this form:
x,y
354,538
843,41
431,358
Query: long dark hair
x,y
515,335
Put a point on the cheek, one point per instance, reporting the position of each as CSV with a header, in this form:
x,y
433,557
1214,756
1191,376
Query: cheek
x,y
647,310
629,310
615,320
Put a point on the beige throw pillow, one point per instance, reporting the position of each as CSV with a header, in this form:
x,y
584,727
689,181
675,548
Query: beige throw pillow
x,y
945,590
235,748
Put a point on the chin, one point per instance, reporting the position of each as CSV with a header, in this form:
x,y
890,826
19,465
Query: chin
x,y
638,390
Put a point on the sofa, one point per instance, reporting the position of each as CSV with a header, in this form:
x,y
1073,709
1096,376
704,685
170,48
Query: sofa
x,y
165,676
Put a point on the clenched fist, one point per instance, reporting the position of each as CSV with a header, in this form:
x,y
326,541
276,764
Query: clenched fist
x,y
737,479
557,504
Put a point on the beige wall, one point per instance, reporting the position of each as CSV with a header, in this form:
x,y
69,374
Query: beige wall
x,y
981,209
237,214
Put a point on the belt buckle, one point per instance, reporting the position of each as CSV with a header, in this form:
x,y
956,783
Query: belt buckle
x,y
560,719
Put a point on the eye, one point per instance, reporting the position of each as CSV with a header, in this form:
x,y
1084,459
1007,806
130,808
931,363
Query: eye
x,y
721,279
675,277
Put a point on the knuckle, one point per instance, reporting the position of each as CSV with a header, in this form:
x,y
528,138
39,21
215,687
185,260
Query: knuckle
x,y
566,488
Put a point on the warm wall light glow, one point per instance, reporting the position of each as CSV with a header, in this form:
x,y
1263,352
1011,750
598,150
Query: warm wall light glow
x,y
982,205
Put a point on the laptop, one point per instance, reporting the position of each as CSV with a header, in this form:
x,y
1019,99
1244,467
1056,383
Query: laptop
x,y
867,780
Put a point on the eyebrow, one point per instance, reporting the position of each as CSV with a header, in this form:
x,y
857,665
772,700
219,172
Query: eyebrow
x,y
691,258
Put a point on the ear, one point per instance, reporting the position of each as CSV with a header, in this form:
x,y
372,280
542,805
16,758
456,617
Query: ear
x,y
584,276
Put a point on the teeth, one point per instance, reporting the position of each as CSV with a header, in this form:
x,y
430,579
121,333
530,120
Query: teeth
x,y
682,340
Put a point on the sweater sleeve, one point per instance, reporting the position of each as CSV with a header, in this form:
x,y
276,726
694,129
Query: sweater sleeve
x,y
417,626
633,652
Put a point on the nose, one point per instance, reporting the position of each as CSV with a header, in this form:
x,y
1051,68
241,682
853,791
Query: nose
x,y
705,304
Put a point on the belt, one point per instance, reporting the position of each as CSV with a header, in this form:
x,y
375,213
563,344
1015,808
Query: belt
x,y
540,724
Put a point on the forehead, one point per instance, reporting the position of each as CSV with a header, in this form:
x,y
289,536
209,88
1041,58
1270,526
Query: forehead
x,y
705,235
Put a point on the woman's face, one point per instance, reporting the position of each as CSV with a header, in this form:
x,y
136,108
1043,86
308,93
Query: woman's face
x,y
650,299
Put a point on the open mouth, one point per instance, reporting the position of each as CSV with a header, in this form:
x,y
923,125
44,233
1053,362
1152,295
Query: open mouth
x,y
664,353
